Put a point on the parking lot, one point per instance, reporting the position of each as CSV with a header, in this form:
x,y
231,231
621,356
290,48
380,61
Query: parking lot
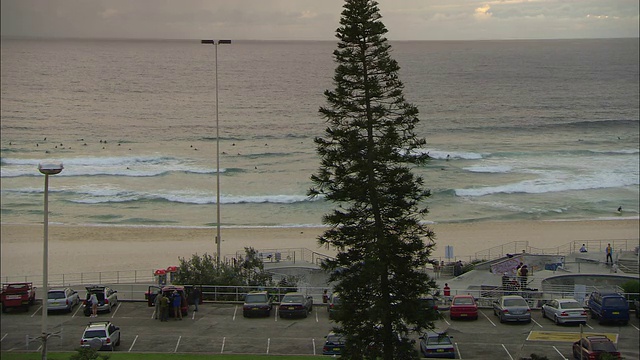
x,y
221,328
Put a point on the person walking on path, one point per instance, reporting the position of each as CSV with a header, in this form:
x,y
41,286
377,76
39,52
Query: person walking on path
x,y
196,297
164,307
609,252
176,301
93,299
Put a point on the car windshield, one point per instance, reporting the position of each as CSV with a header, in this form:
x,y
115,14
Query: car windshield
x,y
605,346
570,305
89,334
256,298
515,302
614,301
439,340
463,301
335,339
56,295
293,299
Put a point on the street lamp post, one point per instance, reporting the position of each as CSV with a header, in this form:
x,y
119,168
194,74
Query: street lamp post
x,y
218,238
46,169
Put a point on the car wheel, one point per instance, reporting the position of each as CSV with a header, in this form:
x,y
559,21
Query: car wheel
x,y
501,319
544,314
556,320
118,342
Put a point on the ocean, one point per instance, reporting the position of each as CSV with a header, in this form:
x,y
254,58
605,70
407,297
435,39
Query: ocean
x,y
518,130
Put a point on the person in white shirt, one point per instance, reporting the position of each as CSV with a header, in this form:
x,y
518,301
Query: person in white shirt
x,y
94,305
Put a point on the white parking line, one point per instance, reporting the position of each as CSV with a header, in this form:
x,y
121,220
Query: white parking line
x,y
483,314
193,315
558,351
133,343
234,313
316,311
78,309
32,315
114,313
445,320
634,326
268,344
5,335
222,348
178,344
458,350
313,342
276,314
589,326
153,315
536,322
505,349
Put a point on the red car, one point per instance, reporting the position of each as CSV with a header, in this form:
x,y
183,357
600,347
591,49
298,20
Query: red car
x,y
593,347
463,306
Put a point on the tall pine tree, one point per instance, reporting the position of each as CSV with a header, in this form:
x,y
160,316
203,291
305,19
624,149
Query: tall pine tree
x,y
367,156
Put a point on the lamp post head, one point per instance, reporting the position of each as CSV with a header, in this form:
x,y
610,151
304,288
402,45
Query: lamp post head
x,y
51,168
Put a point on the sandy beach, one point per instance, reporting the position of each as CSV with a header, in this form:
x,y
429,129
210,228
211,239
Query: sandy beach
x,y
109,248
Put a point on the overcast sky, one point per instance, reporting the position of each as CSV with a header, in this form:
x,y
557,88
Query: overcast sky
x,y
318,19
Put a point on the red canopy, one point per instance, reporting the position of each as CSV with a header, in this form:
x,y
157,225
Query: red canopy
x,y
172,269
159,272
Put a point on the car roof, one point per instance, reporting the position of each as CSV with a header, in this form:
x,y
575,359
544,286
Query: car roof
x,y
512,297
98,324
172,287
58,289
565,300
257,293
433,333
463,296
293,293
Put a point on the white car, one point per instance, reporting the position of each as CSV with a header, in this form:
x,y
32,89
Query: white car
x,y
101,335
62,299
564,311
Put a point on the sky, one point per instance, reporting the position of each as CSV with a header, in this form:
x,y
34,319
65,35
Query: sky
x,y
318,19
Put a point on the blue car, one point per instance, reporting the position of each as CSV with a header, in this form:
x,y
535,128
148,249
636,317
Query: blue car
x,y
333,345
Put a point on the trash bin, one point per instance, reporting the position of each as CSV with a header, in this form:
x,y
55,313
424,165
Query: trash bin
x,y
173,273
160,276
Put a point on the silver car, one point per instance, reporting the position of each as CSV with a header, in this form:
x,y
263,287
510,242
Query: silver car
x,y
564,311
512,308
62,299
107,297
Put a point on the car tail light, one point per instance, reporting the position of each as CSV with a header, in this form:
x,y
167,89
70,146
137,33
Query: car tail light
x,y
108,341
528,310
82,341
584,313
564,314
67,301
505,311
106,301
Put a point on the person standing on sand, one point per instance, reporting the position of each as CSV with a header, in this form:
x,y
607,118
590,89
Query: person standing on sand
x,y
609,252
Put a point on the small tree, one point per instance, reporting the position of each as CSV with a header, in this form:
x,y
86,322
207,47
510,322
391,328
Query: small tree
x,y
367,155
88,354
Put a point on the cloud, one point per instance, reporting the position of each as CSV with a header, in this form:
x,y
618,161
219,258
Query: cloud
x,y
482,13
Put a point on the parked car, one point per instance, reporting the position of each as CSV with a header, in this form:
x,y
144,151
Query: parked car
x,y
17,295
437,345
463,306
168,291
608,306
334,305
107,298
62,299
333,344
101,335
564,311
593,347
257,303
636,303
295,304
512,308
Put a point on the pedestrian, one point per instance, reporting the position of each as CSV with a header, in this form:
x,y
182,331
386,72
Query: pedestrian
x,y
93,299
196,297
176,301
156,302
583,249
436,270
609,252
524,271
164,307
